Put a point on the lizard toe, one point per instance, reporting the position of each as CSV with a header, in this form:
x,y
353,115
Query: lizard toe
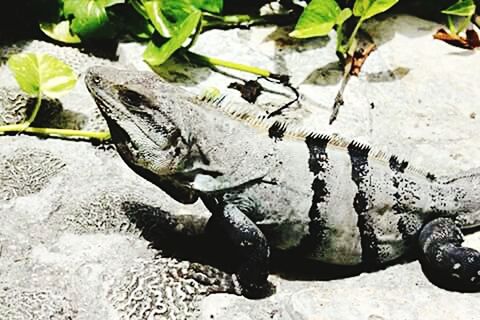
x,y
257,291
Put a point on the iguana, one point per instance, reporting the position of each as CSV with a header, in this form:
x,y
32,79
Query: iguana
x,y
270,183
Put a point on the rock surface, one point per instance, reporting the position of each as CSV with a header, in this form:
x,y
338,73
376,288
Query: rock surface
x,y
77,223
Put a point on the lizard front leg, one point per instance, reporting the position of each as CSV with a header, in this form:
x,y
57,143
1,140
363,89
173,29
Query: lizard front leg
x,y
250,244
443,254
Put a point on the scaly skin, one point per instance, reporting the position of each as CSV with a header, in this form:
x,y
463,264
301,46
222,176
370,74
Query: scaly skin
x,y
269,183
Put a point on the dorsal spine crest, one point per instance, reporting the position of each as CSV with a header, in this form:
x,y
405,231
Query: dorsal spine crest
x,y
280,128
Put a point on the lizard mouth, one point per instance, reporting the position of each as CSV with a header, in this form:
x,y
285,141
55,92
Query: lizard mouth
x,y
118,134
120,138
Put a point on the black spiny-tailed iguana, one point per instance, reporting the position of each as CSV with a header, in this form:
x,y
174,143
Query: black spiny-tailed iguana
x,y
271,185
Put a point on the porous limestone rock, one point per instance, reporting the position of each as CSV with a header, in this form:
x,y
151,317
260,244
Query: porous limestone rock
x,y
77,222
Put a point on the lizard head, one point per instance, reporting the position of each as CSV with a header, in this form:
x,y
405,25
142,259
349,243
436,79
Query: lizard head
x,y
140,125
161,132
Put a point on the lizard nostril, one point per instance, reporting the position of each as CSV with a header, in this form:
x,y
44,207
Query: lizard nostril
x,y
96,79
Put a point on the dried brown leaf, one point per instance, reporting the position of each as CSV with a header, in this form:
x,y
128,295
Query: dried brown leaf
x,y
359,58
471,41
472,38
250,90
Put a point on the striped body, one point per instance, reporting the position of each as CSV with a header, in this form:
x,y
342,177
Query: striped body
x,y
336,204
336,201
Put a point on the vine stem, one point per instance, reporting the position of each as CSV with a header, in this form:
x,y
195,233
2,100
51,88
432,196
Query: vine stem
x,y
463,24
228,64
25,124
451,24
25,127
36,108
353,35
238,18
99,135
246,21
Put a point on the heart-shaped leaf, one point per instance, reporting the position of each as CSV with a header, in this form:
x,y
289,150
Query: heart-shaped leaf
x,y
366,9
60,32
89,16
343,16
156,55
215,6
318,18
154,11
42,73
464,8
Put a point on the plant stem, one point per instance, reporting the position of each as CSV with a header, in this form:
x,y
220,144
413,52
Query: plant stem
x,y
198,30
138,6
100,135
353,35
242,20
339,97
340,37
476,20
228,64
464,24
25,127
238,18
35,110
451,25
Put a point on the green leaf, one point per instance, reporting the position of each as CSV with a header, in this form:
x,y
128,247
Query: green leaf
x,y
154,12
90,16
343,16
38,72
127,18
214,6
366,9
176,11
138,6
464,8
451,25
168,15
60,32
318,18
155,55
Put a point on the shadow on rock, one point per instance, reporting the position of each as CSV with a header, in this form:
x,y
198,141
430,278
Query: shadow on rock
x,y
332,73
16,107
387,75
187,238
327,75
385,27
284,42
291,266
181,71
8,48
180,236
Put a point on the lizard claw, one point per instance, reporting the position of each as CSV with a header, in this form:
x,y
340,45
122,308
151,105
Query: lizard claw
x,y
257,291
